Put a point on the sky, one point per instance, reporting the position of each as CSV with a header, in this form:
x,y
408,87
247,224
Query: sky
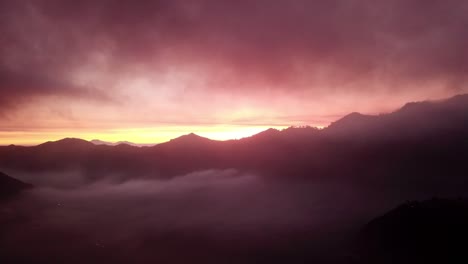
x,y
149,71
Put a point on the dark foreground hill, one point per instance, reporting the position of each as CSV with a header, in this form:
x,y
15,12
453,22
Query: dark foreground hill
x,y
431,231
10,186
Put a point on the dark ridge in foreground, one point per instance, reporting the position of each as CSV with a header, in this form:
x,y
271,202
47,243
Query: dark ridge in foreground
x,y
10,186
431,231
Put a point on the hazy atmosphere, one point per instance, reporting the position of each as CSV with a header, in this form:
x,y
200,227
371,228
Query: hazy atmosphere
x,y
149,71
233,132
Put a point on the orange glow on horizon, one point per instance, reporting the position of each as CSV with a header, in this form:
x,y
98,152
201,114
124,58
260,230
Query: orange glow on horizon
x,y
152,135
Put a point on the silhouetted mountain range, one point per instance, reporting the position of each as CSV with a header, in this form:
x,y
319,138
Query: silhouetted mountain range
x,y
296,195
412,120
418,146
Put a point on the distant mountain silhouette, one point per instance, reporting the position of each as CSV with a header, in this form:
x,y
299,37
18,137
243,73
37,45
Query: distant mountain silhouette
x,y
432,231
10,186
191,138
66,143
412,120
101,142
421,147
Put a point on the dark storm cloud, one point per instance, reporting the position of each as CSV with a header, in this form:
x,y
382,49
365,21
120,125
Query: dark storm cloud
x,y
241,44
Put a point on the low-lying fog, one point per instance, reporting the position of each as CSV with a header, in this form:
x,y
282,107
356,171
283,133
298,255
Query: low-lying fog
x,y
202,216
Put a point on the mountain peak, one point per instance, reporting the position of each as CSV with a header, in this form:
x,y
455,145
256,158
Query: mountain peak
x,y
68,142
268,132
353,119
353,115
189,138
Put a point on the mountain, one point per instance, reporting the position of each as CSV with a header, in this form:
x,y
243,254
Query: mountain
x,y
353,122
412,120
323,183
191,138
10,186
66,144
421,147
101,142
431,231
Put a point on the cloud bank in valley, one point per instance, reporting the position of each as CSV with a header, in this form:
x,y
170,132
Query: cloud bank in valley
x,y
211,211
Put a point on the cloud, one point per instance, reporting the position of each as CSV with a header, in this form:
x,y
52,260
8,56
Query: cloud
x,y
191,213
203,216
178,55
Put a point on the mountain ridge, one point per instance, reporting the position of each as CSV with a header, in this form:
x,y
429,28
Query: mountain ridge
x,y
354,118
424,137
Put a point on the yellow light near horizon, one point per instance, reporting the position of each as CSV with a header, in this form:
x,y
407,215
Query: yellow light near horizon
x,y
151,135
237,133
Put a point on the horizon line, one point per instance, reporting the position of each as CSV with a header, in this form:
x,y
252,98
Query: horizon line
x,y
146,136
98,142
